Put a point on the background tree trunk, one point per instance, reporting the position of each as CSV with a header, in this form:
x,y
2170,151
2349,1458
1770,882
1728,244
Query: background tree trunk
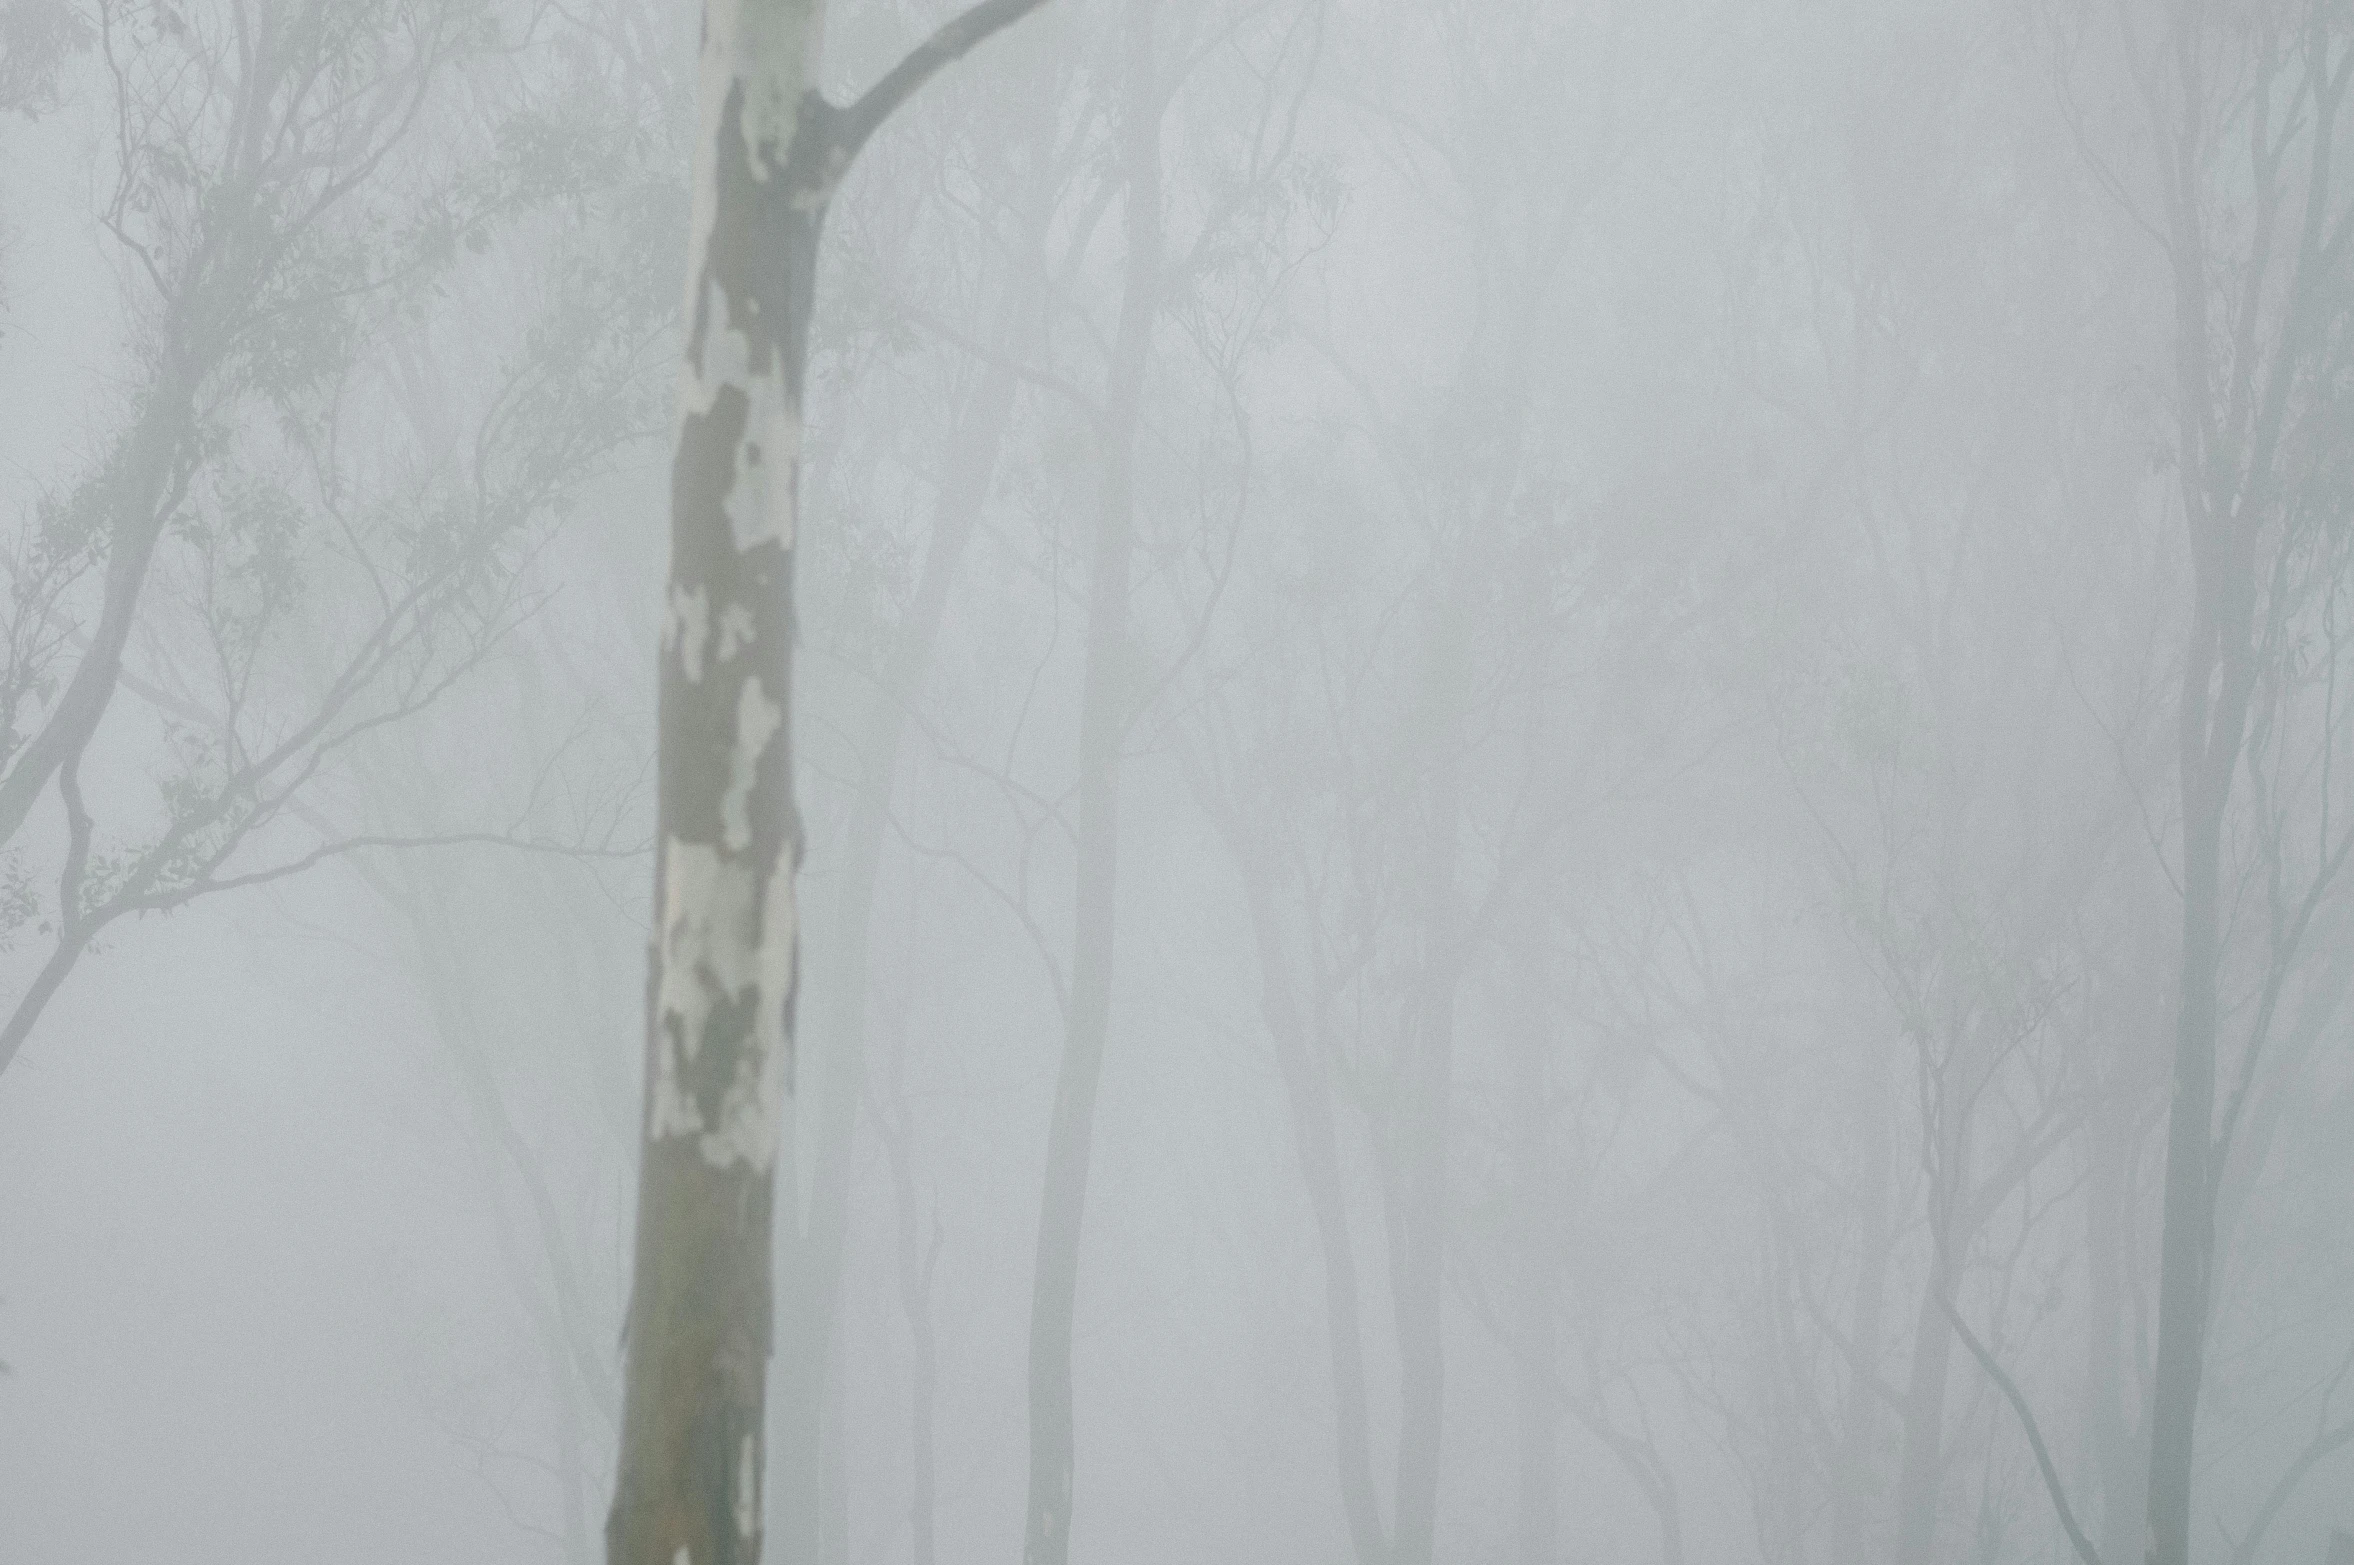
x,y
1105,700
1532,1135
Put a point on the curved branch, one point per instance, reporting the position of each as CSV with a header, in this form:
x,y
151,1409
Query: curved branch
x,y
2043,1458
945,47
2322,1445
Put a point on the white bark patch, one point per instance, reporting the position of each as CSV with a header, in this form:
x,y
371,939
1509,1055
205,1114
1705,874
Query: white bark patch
x,y
752,1115
770,48
779,47
726,358
714,948
757,722
671,1112
706,928
686,627
760,500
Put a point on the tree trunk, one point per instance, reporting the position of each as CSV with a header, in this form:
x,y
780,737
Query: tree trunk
x,y
2218,679
1920,1478
1860,1418
1308,1093
723,963
2187,1239
2224,490
1418,1229
1538,1408
720,992
916,1261
1103,722
2116,1444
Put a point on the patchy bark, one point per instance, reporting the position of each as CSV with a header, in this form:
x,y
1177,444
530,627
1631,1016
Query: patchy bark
x,y
725,952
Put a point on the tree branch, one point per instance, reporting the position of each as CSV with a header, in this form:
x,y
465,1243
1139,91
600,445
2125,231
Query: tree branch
x,y
946,46
2043,1458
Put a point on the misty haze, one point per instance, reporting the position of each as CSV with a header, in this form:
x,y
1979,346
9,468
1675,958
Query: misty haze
x,y
1147,782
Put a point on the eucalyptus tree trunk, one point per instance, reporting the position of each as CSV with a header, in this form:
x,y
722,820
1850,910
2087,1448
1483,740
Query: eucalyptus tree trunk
x,y
2257,418
1418,1220
2216,687
1859,1419
1922,1470
1308,1092
2222,506
1952,1199
917,1262
1418,1255
2117,1444
1532,1152
724,956
1103,723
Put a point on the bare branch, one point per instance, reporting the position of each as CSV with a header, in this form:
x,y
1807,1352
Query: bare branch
x,y
2011,1394
947,45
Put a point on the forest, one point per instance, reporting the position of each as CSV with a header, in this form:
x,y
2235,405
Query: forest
x,y
1359,782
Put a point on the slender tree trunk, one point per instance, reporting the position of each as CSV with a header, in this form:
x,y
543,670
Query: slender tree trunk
x,y
2288,1053
1860,1416
723,963
916,1261
1418,1254
2218,679
2116,1446
1103,721
2186,1242
1539,1412
1920,1478
923,1401
1309,1096
2222,491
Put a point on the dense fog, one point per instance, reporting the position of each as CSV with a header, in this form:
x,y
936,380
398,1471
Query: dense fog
x,y
1573,779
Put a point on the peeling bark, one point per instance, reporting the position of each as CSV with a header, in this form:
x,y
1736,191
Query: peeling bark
x,y
724,955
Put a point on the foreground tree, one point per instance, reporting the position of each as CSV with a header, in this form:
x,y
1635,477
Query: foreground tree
x,y
769,154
